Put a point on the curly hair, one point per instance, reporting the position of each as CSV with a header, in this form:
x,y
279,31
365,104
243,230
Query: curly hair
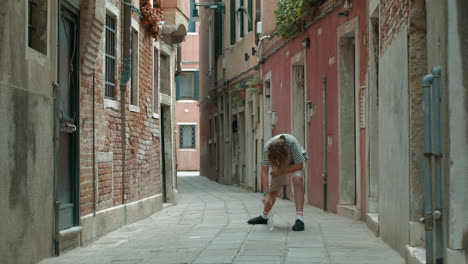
x,y
278,155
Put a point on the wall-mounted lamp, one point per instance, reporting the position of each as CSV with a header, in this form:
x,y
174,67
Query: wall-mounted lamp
x,y
216,6
254,51
246,56
347,6
306,43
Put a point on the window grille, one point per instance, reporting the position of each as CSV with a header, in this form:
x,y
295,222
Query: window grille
x,y
187,136
110,57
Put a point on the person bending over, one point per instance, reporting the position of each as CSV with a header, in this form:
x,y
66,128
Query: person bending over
x,y
285,156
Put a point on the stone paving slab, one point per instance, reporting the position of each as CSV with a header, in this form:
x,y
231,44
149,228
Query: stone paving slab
x,y
208,226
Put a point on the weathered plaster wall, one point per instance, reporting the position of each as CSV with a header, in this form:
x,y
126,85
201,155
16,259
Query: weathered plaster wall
x,y
458,115
393,143
26,141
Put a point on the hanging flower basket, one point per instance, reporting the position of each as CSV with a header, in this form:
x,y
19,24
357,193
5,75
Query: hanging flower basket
x,y
241,93
152,16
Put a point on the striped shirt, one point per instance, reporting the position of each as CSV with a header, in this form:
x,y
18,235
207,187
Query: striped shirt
x,y
296,152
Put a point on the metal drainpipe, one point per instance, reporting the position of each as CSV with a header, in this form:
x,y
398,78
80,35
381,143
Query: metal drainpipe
x,y
437,165
325,171
56,166
123,83
95,183
57,93
428,219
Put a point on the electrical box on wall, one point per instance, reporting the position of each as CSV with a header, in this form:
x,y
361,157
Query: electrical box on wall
x,y
259,27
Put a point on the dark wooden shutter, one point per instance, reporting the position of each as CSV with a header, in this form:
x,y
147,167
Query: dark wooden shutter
x,y
196,81
241,17
233,22
177,79
250,10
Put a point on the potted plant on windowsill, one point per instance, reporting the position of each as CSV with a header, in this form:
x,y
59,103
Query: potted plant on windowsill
x,y
254,85
240,89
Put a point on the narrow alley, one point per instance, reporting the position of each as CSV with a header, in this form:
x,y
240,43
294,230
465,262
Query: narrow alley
x,y
208,225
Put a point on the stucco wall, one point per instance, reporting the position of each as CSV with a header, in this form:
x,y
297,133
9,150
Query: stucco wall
x,y
458,115
393,143
26,141
188,112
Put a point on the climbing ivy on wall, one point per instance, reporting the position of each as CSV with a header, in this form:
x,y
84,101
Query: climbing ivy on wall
x,y
293,15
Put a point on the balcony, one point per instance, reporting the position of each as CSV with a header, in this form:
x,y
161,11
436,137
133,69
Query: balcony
x,y
176,13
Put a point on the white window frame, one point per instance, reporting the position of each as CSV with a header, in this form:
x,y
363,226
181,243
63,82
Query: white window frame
x,y
135,107
156,87
112,10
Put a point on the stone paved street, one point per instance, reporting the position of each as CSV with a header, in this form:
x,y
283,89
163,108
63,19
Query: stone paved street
x,y
208,225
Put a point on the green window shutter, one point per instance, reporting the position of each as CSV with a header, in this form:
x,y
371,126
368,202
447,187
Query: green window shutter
x,y
233,22
250,10
177,80
218,34
196,81
241,17
191,24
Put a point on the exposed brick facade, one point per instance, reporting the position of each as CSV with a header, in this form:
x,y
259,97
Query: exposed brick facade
x,y
393,14
142,166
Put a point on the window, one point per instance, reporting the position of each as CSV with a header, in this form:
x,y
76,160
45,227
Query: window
x,y
165,74
233,21
156,81
250,10
187,136
37,25
241,19
135,64
110,57
191,24
187,86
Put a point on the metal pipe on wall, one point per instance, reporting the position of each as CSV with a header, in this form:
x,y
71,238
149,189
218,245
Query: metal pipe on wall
x,y
95,183
325,170
125,76
428,219
437,165
56,165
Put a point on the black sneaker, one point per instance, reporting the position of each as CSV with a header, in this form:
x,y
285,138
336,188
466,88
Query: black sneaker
x,y
257,221
299,226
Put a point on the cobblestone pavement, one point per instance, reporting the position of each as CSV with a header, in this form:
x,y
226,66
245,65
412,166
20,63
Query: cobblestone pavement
x,y
208,225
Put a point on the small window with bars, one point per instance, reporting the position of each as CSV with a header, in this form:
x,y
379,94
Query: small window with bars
x,y
187,136
110,42
134,84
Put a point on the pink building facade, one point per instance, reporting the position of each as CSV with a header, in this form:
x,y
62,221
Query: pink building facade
x,y
187,111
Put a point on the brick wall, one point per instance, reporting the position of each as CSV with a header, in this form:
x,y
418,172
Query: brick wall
x,y
393,14
142,176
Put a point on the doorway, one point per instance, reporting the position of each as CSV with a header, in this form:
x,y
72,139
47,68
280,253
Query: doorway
x,y
68,79
166,151
298,120
349,137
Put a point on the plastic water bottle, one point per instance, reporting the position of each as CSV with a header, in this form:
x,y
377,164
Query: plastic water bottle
x,y
270,221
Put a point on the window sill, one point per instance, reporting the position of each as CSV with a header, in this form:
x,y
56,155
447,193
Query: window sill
x,y
111,104
155,116
187,150
134,108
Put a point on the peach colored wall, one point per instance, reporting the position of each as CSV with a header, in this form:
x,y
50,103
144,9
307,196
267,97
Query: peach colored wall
x,y
182,5
190,51
188,112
